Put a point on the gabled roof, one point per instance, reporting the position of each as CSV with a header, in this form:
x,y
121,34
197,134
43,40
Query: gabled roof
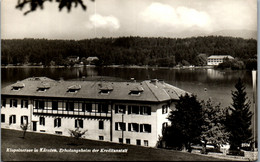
x,y
220,56
151,91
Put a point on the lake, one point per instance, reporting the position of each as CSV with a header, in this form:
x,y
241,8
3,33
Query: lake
x,y
205,83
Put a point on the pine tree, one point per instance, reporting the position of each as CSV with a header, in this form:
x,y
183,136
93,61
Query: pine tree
x,y
186,122
213,128
239,116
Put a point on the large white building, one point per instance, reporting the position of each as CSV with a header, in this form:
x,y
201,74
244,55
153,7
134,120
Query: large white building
x,y
217,59
125,112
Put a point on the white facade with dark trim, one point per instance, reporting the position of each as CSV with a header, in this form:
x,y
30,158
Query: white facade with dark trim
x,y
125,112
217,59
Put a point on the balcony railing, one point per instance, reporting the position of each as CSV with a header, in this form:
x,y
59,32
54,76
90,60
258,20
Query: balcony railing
x,y
84,114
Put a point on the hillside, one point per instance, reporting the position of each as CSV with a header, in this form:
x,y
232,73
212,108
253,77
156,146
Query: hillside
x,y
166,52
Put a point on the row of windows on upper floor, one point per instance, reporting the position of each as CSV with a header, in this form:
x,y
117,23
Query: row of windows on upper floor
x,y
88,107
14,103
215,60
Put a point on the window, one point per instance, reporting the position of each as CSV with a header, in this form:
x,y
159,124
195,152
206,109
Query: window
x,y
24,120
105,89
164,109
145,128
24,104
145,142
17,86
101,138
120,109
78,123
54,105
87,107
164,125
42,121
42,89
74,88
134,127
120,126
135,93
39,104
12,119
104,92
145,110
101,124
138,142
2,118
120,140
58,132
102,108
70,106
57,122
3,103
133,109
128,141
13,103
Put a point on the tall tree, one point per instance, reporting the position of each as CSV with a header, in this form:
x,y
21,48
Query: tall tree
x,y
239,117
213,128
186,122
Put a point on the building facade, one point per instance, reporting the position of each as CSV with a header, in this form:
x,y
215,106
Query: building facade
x,y
125,112
217,59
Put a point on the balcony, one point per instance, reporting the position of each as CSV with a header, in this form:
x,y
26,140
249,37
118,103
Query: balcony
x,y
81,114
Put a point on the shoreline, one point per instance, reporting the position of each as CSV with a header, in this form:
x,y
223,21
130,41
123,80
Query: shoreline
x,y
111,66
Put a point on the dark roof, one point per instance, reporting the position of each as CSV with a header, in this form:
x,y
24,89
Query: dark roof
x,y
155,91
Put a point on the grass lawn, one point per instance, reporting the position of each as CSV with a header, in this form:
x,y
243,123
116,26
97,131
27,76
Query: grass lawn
x,y
12,139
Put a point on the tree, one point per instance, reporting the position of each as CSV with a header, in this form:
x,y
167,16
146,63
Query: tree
x,y
239,116
186,122
34,4
24,127
77,134
213,128
200,60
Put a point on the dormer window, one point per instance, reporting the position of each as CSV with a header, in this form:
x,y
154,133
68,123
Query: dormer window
x,y
17,86
136,91
74,89
106,89
43,87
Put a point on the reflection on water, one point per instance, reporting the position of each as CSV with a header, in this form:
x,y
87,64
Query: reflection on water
x,y
218,83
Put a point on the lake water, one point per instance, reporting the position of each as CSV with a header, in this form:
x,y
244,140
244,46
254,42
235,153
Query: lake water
x,y
205,83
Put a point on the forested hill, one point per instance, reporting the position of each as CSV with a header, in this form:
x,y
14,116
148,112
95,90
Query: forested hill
x,y
127,50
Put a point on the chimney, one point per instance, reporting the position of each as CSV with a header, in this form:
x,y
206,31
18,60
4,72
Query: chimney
x,y
154,81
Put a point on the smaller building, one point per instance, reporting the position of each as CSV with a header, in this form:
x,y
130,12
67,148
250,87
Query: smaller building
x,y
217,59
73,58
91,59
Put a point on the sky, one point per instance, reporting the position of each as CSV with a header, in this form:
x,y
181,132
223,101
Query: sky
x,y
116,18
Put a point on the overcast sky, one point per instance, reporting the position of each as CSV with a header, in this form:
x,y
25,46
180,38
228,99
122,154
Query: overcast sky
x,y
114,18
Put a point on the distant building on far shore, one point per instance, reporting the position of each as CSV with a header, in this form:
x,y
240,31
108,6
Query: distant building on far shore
x,y
91,59
73,58
217,59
